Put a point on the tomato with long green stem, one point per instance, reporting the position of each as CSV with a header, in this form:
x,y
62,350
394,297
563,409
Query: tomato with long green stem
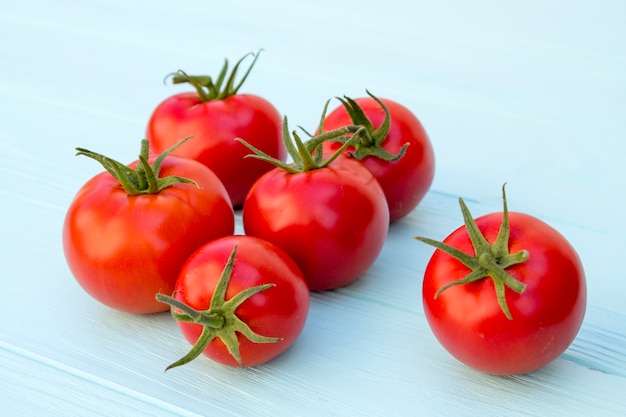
x,y
216,113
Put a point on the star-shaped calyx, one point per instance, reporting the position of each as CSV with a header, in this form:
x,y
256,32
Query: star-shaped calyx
x,y
490,260
219,320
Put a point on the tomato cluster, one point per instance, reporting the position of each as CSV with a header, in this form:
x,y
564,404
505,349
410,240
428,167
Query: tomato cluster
x,y
158,234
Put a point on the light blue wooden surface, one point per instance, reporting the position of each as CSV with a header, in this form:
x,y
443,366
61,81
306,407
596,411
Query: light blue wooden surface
x,y
531,93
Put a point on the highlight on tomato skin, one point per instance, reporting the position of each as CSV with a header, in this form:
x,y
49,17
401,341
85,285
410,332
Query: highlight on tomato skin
x,y
239,300
505,293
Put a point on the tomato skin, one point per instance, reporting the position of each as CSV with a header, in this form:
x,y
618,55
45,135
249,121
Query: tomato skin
x,y
279,311
214,125
405,181
124,249
332,221
468,321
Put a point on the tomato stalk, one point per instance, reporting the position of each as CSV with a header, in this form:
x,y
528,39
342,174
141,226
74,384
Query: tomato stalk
x,y
370,144
144,179
212,90
308,155
489,260
219,320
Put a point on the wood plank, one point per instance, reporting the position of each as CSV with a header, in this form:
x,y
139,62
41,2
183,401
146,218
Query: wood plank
x,y
532,94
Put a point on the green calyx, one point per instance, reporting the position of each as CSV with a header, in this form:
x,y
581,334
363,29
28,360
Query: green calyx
x,y
209,89
489,261
144,179
219,320
370,144
308,155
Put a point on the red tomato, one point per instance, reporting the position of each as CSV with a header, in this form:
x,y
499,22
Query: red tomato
x,y
545,311
406,180
122,249
332,221
275,312
215,120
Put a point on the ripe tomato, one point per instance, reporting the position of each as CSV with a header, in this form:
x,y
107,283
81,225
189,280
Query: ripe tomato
x,y
509,303
215,118
240,300
122,249
332,221
406,180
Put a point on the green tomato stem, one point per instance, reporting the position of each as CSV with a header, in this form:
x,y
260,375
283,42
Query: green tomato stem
x,y
490,260
308,156
219,320
207,88
370,142
144,179
188,314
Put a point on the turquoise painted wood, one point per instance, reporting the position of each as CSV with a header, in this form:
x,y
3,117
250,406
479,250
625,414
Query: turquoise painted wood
x,y
530,93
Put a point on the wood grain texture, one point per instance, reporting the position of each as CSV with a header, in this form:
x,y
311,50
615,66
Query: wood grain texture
x,y
529,93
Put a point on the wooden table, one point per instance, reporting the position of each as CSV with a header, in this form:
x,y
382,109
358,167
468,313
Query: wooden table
x,y
530,93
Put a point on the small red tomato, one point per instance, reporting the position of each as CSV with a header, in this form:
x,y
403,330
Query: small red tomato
x,y
505,294
126,234
330,216
240,300
215,115
397,151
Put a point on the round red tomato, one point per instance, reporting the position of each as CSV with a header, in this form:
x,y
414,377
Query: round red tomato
x,y
545,311
332,221
215,119
274,309
122,249
404,181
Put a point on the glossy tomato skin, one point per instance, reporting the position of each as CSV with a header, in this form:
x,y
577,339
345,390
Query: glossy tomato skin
x,y
124,249
405,181
469,323
214,125
332,221
279,311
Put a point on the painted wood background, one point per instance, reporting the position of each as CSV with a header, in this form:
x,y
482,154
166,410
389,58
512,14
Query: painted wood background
x,y
530,93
